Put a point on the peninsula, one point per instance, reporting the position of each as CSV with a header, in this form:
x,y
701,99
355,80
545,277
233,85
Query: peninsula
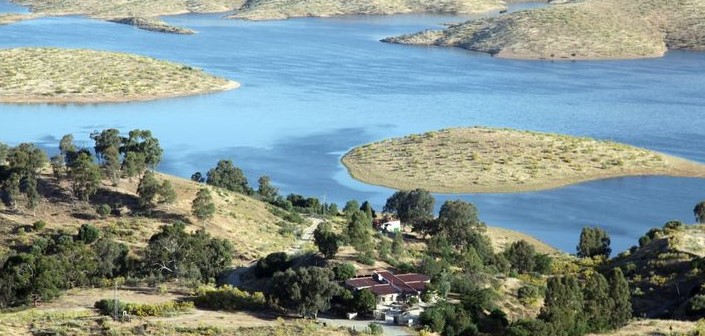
x,y
53,75
283,9
488,160
579,30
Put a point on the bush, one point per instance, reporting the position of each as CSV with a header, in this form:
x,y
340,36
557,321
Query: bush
x,y
164,309
344,271
88,233
696,305
365,259
528,294
228,298
39,225
374,329
103,210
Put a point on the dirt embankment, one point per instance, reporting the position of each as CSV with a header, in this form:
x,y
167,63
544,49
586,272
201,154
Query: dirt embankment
x,y
579,30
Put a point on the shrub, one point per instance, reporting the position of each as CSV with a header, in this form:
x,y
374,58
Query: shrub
x,y
365,259
103,210
39,225
169,308
528,294
374,329
228,298
344,271
696,305
88,233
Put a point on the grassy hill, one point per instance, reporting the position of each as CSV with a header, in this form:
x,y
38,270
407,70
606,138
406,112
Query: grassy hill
x,y
481,159
664,273
283,9
591,29
127,8
244,221
37,75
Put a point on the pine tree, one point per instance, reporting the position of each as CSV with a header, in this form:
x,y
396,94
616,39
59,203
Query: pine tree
x,y
619,292
598,303
563,307
202,206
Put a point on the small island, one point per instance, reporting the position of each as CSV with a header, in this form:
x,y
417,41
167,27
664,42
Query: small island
x,y
54,75
489,160
284,9
578,30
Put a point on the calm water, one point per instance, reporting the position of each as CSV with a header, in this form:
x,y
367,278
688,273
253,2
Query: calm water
x,y
314,88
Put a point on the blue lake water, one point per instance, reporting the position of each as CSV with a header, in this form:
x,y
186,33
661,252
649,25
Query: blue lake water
x,y
314,88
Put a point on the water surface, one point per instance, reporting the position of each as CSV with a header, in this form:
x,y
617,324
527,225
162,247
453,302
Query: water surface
x,y
314,88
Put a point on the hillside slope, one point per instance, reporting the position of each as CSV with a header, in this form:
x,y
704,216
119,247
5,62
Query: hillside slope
x,y
591,29
283,9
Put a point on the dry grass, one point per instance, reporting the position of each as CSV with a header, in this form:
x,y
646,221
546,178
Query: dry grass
x,y
503,238
12,18
487,160
282,9
73,315
592,29
244,221
652,327
32,75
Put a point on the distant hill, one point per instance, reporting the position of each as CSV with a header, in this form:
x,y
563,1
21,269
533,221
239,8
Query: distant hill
x,y
590,29
283,9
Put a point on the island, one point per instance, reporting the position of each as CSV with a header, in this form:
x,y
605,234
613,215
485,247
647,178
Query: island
x,y
126,11
490,160
55,75
578,30
284,9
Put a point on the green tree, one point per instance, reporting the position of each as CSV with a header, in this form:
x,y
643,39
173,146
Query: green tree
x,y
598,303
4,150
358,230
167,194
145,145
107,150
366,207
327,241
33,196
11,188
594,242
521,256
202,206
57,166
398,248
66,145
412,207
103,210
619,292
265,189
350,207
111,257
198,177
26,159
563,307
699,212
364,302
226,175
308,290
147,190
85,176
344,271
458,221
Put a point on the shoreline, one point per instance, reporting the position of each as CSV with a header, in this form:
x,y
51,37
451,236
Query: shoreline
x,y
323,16
231,85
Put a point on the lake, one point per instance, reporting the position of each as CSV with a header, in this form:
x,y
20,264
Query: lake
x,y
314,88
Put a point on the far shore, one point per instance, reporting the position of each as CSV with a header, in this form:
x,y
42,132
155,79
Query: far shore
x,y
35,99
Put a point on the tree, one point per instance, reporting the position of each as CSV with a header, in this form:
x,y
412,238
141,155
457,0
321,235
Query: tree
x,y
272,263
699,212
344,271
619,292
563,307
198,177
111,257
350,207
594,242
11,188
358,230
167,194
398,245
521,256
57,166
147,190
364,302
4,150
85,176
202,206
458,221
412,207
26,159
598,303
33,196
107,150
226,175
308,290
326,240
265,189
366,207
66,145
145,145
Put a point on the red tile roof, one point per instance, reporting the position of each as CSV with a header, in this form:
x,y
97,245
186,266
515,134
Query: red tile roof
x,y
361,282
385,289
390,283
413,277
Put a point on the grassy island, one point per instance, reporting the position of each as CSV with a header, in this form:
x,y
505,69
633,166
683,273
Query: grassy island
x,y
283,9
38,75
487,160
578,30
